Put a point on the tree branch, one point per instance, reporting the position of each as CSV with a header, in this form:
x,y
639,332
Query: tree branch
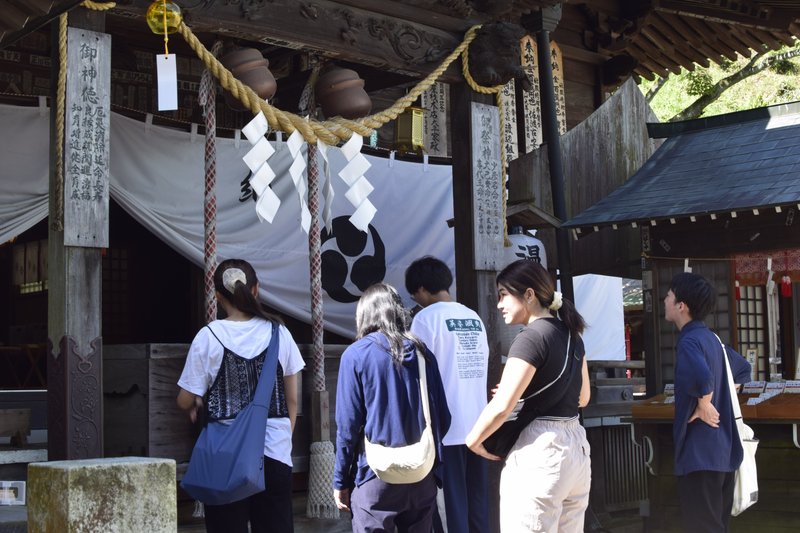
x,y
696,108
655,88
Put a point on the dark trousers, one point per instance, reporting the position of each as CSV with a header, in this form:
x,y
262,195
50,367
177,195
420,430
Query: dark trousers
x,y
379,507
706,500
465,481
268,511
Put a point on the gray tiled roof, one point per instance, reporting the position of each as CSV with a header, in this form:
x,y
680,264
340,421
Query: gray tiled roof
x,y
734,162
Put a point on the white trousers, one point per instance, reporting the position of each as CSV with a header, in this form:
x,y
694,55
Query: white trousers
x,y
545,482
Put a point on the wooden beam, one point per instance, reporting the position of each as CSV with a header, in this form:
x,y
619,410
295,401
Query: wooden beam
x,y
74,313
326,28
758,17
680,53
476,289
708,36
693,35
723,33
669,32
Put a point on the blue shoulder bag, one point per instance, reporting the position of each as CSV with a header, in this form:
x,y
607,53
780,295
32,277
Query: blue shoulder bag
x,y
227,463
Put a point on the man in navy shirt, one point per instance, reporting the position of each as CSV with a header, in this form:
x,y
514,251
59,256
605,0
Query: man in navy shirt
x,y
707,446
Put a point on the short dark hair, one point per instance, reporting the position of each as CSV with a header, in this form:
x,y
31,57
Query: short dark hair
x,y
696,292
430,273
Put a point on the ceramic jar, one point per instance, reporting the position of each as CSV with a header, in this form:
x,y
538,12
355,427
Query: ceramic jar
x,y
340,92
251,68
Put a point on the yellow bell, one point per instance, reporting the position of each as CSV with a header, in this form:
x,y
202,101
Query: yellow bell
x,y
155,17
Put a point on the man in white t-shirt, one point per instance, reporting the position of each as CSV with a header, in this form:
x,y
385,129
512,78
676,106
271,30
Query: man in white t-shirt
x,y
456,336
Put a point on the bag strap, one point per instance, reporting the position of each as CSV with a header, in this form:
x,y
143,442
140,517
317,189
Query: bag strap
x,y
737,410
423,388
266,381
215,336
563,368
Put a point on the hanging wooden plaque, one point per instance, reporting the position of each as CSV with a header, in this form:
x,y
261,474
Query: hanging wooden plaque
x,y
558,85
509,133
531,100
434,128
487,187
86,138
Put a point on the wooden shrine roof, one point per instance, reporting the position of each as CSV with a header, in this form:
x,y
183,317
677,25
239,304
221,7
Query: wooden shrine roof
x,y
412,36
717,166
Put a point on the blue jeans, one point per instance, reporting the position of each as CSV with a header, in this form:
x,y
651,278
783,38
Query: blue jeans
x,y
465,481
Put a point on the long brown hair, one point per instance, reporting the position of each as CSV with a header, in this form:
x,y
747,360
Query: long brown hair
x,y
525,274
380,308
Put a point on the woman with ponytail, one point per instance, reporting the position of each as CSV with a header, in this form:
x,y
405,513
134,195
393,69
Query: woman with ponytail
x,y
222,370
544,485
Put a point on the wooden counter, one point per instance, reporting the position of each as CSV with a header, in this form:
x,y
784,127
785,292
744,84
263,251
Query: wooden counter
x,y
783,408
778,460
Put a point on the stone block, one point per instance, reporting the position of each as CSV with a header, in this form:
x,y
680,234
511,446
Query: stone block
x,y
113,495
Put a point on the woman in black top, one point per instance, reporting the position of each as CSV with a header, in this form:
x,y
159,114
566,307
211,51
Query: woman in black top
x,y
545,482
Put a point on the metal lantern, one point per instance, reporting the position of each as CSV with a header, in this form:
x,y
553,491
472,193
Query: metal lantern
x,y
156,17
408,136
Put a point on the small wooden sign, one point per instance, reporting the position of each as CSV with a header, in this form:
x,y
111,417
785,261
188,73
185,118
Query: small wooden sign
x,y
509,133
434,128
531,99
87,138
487,188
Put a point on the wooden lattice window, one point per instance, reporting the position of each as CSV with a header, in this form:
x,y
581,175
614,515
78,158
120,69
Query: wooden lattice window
x,y
751,312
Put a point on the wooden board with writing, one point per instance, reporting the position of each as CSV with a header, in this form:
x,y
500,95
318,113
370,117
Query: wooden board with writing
x,y
487,188
86,139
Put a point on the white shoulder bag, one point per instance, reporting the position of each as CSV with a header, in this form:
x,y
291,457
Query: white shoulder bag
x,y
411,463
745,491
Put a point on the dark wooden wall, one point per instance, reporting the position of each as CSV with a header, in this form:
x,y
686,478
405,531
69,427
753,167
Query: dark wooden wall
x,y
599,154
709,245
661,336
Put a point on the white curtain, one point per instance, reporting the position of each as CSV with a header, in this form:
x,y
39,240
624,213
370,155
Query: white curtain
x,y
157,176
24,167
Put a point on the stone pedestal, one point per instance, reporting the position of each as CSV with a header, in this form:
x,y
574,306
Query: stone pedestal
x,y
114,495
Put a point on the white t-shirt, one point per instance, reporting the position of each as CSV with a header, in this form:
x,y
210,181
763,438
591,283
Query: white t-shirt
x,y
247,339
457,337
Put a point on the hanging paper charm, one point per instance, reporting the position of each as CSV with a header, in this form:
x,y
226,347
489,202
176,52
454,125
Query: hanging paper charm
x,y
359,186
262,174
297,172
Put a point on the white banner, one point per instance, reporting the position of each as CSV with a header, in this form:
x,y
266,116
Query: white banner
x,y
157,177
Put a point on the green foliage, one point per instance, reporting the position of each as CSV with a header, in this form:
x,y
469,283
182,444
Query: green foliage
x,y
699,82
727,65
784,67
770,86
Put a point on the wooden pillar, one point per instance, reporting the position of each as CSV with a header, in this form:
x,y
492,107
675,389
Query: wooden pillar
x,y
542,23
475,288
75,240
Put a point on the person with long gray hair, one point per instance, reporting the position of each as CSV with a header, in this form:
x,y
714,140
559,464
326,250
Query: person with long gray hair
x,y
378,397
